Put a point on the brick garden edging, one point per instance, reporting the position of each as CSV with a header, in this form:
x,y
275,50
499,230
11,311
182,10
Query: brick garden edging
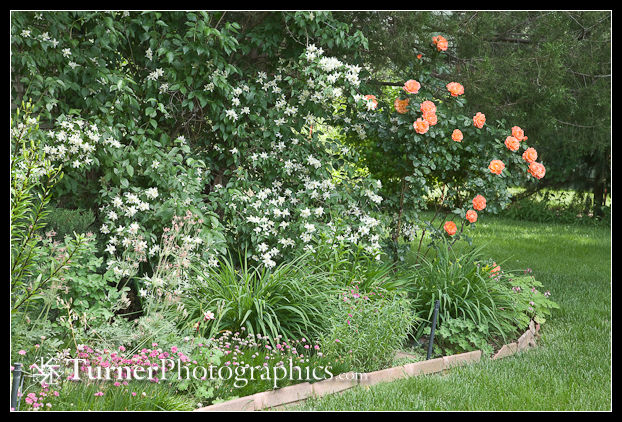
x,y
300,392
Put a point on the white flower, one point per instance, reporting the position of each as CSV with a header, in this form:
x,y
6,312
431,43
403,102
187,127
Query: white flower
x,y
133,229
117,201
231,114
305,213
110,249
66,52
151,193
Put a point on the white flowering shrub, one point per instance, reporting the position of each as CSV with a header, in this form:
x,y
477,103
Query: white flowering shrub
x,y
292,186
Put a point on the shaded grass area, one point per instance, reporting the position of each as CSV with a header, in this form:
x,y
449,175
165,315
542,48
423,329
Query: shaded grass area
x,y
571,368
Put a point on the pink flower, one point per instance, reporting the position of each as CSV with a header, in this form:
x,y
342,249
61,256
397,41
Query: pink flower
x,y
22,352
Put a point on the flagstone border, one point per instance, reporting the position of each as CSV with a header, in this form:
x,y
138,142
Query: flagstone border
x,y
277,399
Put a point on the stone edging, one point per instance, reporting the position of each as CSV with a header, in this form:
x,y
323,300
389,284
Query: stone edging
x,y
299,392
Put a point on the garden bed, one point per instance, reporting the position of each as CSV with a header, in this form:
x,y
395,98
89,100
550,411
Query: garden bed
x,y
280,398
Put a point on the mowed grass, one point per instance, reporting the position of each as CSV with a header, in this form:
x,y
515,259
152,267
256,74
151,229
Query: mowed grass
x,y
571,368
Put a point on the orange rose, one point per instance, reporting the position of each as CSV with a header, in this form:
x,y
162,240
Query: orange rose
x,y
371,99
412,86
431,118
479,119
440,42
471,216
479,202
518,133
457,135
400,105
427,107
537,170
496,268
421,126
530,155
419,56
450,228
455,88
512,143
496,166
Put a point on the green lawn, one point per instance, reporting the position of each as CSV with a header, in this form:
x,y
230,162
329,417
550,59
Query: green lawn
x,y
571,368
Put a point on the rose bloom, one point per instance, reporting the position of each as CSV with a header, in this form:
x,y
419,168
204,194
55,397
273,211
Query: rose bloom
x,y
441,42
427,107
518,133
455,88
457,135
412,86
450,228
421,126
512,143
400,105
537,170
430,118
479,202
479,119
471,216
496,166
530,155
372,99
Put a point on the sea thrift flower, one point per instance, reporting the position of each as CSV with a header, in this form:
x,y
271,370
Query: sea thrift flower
x,y
455,89
450,228
457,135
512,143
496,166
421,126
479,202
471,216
537,170
530,155
412,86
479,119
